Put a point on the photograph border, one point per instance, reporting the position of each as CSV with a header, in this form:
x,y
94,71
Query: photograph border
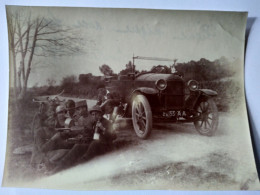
x,y
242,6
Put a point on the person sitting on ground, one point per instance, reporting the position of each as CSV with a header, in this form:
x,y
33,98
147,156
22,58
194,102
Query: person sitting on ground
x,y
82,112
100,142
59,139
46,139
82,140
71,110
103,134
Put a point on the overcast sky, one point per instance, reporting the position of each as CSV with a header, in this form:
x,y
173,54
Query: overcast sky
x,y
113,35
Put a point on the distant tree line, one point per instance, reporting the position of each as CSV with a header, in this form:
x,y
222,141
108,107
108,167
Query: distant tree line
x,y
210,74
201,70
205,70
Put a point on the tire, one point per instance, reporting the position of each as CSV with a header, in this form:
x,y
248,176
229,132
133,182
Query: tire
x,y
207,112
142,116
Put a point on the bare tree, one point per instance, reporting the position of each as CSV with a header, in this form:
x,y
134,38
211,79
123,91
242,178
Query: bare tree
x,y
31,36
12,28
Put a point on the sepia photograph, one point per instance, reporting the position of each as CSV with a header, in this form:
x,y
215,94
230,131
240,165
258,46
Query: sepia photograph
x,y
127,99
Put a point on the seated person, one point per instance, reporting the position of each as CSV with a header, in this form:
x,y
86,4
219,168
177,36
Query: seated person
x,y
71,110
82,140
82,112
103,134
47,139
97,145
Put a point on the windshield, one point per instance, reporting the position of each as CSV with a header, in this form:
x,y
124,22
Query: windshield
x,y
154,64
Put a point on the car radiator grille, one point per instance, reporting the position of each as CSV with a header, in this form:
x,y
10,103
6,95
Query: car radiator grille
x,y
174,95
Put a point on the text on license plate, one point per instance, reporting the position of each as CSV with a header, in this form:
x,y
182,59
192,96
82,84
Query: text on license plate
x,y
178,113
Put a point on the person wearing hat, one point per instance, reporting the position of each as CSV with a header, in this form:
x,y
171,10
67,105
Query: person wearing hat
x,y
60,140
77,151
82,112
46,139
70,107
103,134
61,116
96,146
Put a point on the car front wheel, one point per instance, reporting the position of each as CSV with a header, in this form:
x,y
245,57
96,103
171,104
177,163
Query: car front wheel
x,y
207,121
142,116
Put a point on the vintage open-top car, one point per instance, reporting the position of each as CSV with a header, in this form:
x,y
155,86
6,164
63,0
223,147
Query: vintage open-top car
x,y
162,96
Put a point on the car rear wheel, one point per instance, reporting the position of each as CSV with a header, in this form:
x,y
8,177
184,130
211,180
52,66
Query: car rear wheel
x,y
142,116
207,113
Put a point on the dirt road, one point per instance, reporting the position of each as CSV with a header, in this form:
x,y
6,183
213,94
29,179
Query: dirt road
x,y
174,157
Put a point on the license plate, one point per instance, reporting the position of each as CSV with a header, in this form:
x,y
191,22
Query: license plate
x,y
173,113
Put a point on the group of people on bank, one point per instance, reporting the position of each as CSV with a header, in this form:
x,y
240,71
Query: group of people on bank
x,y
68,133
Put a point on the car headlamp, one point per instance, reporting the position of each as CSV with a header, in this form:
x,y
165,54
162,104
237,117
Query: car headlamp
x,y
161,84
193,85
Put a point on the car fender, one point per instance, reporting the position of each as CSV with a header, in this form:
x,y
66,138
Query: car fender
x,y
197,95
145,90
208,92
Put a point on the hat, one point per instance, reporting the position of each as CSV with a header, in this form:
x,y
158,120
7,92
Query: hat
x,y
70,104
81,103
95,108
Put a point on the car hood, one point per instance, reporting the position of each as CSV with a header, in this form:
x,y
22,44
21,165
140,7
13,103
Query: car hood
x,y
157,76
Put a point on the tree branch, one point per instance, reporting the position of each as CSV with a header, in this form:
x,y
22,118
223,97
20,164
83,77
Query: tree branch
x,y
53,32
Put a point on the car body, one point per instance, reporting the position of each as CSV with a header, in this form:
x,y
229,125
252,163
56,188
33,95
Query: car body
x,y
163,96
